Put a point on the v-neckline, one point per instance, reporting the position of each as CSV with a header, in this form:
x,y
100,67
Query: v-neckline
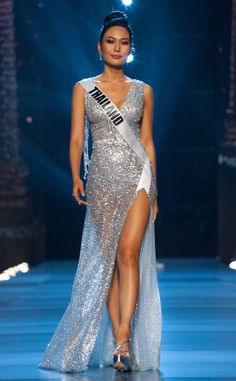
x,y
125,98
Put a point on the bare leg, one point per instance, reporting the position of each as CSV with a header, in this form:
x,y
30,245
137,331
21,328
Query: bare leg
x,y
113,301
124,289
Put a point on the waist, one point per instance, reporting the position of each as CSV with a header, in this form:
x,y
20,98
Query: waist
x,y
107,140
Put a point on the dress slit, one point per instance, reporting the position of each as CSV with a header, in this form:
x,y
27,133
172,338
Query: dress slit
x,y
103,348
136,195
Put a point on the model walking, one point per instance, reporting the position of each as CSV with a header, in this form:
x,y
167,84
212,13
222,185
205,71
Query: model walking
x,y
114,316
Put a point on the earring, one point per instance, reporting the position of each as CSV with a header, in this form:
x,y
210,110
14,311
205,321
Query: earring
x,y
100,56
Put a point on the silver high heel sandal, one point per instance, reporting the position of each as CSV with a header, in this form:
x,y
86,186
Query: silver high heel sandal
x,y
121,362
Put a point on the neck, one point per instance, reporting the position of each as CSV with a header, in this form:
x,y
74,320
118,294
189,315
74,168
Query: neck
x,y
112,75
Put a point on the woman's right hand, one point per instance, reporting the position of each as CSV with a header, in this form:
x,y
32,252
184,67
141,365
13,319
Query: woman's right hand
x,y
78,190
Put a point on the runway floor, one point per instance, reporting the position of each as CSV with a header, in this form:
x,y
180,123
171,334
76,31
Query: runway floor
x,y
199,322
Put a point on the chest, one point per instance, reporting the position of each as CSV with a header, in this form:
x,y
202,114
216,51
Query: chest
x,y
131,107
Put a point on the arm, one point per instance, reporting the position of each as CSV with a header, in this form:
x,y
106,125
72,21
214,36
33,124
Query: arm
x,y
77,139
146,132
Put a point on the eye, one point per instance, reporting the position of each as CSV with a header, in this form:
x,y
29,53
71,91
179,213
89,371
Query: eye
x,y
110,41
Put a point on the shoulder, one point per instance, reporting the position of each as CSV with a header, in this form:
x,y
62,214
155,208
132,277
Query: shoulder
x,y
148,90
78,88
79,84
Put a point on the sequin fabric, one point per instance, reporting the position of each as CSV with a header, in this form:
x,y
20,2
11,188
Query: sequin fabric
x,y
83,337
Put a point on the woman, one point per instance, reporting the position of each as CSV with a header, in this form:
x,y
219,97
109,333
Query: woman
x,y
114,316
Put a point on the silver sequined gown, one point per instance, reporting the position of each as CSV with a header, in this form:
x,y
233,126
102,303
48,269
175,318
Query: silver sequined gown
x,y
84,335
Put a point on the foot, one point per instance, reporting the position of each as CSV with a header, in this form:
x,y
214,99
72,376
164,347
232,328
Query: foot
x,y
124,338
121,356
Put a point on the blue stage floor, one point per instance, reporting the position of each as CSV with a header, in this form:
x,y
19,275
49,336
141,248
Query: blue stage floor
x,y
199,322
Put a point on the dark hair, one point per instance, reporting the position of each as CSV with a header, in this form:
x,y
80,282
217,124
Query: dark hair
x,y
116,18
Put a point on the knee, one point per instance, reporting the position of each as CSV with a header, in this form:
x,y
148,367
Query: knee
x,y
127,257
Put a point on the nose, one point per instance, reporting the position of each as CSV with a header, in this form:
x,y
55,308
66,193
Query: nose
x,y
117,46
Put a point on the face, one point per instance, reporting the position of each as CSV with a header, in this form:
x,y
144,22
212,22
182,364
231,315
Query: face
x,y
115,46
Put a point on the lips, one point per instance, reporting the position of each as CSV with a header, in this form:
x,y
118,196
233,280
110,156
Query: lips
x,y
116,56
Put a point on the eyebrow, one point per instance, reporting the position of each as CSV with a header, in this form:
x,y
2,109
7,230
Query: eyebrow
x,y
124,38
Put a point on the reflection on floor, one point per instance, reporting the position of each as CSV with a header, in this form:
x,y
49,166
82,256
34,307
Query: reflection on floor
x,y
199,322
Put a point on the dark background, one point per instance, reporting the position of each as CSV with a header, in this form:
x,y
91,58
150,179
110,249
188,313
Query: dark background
x,y
182,51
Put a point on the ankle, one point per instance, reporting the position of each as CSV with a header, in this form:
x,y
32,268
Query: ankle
x,y
122,335
124,329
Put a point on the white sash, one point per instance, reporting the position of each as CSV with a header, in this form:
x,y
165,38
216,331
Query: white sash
x,y
124,129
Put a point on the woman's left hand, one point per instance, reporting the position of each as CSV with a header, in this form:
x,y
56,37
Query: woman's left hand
x,y
156,209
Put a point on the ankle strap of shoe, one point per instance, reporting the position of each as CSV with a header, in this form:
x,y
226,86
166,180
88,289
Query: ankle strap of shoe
x,y
123,342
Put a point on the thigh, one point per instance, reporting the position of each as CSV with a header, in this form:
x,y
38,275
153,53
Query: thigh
x,y
135,224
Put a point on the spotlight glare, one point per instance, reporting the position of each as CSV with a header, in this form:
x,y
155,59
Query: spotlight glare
x,y
130,58
12,271
29,119
127,2
4,276
232,265
23,267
